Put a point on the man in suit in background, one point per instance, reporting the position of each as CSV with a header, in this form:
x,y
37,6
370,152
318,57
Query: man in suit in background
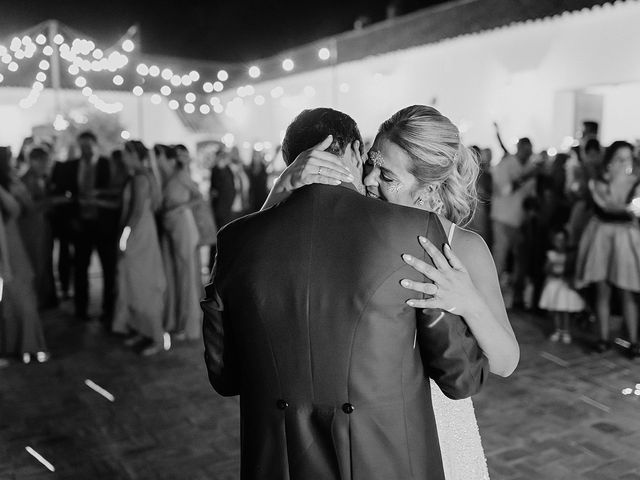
x,y
94,221
306,320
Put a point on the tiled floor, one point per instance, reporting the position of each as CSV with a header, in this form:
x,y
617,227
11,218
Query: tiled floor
x,y
560,416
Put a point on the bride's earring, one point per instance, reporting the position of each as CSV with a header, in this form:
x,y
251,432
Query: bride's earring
x,y
435,204
421,202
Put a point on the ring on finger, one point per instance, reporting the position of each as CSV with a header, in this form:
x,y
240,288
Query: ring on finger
x,y
319,170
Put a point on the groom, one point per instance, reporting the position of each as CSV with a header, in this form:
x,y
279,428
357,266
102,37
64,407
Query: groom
x,y
306,320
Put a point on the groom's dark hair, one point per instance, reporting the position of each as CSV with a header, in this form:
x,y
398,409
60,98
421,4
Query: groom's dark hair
x,y
312,126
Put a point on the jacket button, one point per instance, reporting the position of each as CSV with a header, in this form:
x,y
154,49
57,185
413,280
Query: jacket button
x,y
282,404
348,408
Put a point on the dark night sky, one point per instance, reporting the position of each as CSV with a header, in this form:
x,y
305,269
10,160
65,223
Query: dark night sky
x,y
239,30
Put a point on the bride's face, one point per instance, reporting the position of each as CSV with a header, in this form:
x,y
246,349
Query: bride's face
x,y
387,174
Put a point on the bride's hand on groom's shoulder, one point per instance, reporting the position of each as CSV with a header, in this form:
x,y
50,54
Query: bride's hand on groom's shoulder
x,y
314,165
452,288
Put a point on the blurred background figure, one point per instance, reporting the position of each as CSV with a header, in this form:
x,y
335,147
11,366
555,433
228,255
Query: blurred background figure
x,y
35,226
258,180
481,220
179,233
609,253
22,332
93,222
141,278
513,181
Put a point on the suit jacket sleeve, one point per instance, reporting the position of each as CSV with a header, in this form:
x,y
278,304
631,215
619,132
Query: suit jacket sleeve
x,y
219,351
450,354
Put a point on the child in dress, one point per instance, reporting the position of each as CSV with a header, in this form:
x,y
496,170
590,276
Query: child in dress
x,y
558,296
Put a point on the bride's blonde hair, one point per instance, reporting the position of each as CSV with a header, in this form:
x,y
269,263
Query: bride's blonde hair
x,y
438,158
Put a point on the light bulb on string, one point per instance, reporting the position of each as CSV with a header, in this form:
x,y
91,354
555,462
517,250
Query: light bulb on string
x,y
154,70
166,74
58,39
259,100
41,39
205,109
223,75
19,54
176,80
128,45
41,76
142,69
218,86
287,65
15,44
74,70
207,87
43,65
218,108
190,97
189,108
80,82
165,90
324,53
48,50
214,101
137,90
186,80
87,91
194,76
254,71
156,99
118,80
13,67
6,59
173,104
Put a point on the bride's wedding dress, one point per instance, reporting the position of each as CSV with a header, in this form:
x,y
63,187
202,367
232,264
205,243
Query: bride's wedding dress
x,y
462,454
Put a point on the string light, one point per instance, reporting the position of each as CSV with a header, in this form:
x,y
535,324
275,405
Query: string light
x,y
176,80
166,74
1,78
277,92
41,39
156,99
254,71
207,87
189,108
165,90
324,53
218,86
41,76
48,50
193,75
81,82
205,109
259,100
287,65
223,75
214,101
154,70
13,67
137,90
74,70
118,80
142,69
186,80
44,65
128,45
218,108
58,39
173,104
125,135
190,97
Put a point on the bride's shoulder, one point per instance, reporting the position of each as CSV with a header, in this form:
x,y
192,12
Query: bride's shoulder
x,y
472,250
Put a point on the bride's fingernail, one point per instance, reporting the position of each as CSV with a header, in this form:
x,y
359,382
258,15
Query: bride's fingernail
x,y
422,239
411,303
404,283
406,258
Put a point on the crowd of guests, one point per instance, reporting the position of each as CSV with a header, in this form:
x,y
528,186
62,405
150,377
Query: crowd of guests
x,y
140,211
564,232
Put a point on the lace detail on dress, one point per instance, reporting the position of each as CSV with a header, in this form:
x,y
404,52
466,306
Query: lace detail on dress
x,y
462,453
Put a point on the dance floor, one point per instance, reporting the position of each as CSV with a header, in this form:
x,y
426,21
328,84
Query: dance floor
x,y
97,411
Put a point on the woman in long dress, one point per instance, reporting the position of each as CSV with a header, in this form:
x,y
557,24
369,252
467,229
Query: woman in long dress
x,y
22,332
35,227
179,241
417,160
141,283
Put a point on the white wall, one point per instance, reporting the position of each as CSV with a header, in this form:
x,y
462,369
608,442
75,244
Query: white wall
x,y
513,75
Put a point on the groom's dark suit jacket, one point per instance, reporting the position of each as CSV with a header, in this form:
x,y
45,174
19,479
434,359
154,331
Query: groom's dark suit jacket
x,y
306,320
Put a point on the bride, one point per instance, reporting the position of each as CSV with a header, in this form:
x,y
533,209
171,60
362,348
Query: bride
x,y
417,160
